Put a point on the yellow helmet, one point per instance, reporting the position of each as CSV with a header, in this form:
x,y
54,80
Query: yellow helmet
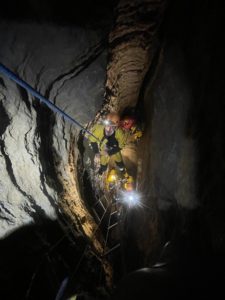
x,y
112,176
111,179
129,184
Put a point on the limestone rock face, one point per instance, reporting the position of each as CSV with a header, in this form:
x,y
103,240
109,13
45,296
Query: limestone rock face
x,y
66,65
132,43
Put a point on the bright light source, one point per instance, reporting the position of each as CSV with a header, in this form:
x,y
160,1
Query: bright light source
x,y
130,198
106,122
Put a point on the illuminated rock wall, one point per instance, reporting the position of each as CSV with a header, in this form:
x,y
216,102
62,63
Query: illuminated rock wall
x,y
132,45
66,65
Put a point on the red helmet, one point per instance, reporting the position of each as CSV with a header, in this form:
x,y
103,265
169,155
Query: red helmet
x,y
128,122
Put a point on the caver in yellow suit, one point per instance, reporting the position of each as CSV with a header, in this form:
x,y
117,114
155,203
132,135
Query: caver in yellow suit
x,y
130,126
111,140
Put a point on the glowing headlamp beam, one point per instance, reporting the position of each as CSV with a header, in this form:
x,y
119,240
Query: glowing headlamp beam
x,y
108,123
130,198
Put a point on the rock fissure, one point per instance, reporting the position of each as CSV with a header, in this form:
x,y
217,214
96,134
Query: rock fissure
x,y
25,97
27,145
64,134
2,83
8,212
10,168
4,118
45,120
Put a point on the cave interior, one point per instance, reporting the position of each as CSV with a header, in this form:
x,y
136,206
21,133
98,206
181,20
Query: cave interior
x,y
182,102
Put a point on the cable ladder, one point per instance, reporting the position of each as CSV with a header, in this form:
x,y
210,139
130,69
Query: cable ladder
x,y
99,210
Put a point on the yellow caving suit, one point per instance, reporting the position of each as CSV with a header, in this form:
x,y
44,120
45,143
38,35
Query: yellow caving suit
x,y
108,146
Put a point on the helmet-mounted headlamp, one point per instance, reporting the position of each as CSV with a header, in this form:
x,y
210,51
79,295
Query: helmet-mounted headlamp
x,y
107,122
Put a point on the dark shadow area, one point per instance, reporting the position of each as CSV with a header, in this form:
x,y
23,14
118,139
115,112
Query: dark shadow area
x,y
187,268
4,119
45,123
201,35
35,259
131,253
88,13
195,259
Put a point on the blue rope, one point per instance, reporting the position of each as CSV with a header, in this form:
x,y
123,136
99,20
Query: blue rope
x,y
51,105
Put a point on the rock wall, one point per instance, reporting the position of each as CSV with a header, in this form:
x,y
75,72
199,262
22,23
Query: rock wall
x,y
172,165
67,65
133,42
183,169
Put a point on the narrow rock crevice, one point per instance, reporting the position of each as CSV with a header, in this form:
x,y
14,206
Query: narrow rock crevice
x,y
27,146
25,97
134,54
10,168
45,121
3,210
4,119
64,134
5,218
2,83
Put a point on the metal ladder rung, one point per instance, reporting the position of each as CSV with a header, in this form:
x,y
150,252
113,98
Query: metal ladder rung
x,y
114,212
113,225
112,249
99,201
